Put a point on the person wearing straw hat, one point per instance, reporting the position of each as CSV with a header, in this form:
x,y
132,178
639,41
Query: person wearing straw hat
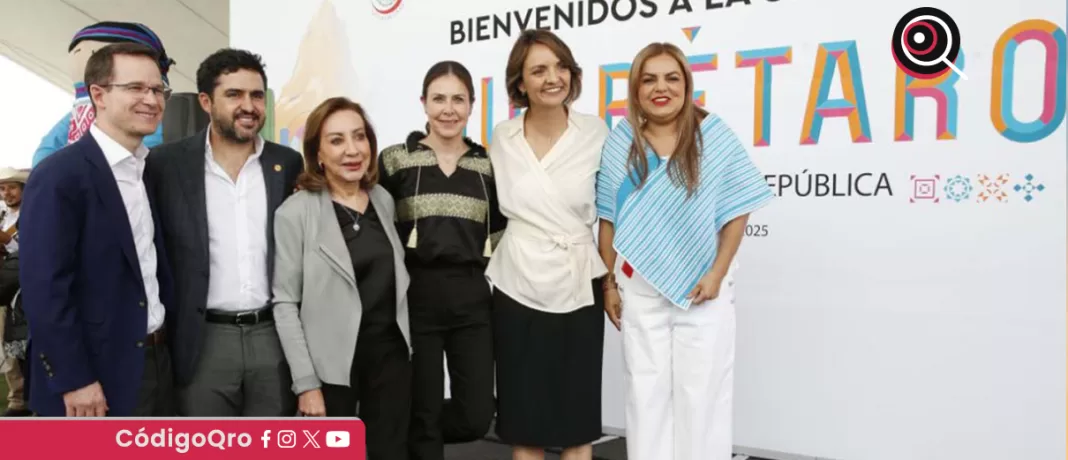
x,y
11,183
13,331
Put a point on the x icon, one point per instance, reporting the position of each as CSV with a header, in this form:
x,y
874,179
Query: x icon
x,y
311,439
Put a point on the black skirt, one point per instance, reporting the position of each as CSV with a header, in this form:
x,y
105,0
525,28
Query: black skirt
x,y
548,373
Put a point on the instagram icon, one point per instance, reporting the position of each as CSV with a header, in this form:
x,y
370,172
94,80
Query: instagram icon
x,y
287,439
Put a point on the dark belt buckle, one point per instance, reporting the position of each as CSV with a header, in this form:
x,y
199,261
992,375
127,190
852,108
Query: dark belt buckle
x,y
247,318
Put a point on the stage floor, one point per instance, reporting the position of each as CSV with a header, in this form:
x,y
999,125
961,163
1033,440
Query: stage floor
x,y
491,448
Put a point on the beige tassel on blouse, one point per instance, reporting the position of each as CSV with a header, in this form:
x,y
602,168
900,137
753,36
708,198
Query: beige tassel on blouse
x,y
413,238
487,249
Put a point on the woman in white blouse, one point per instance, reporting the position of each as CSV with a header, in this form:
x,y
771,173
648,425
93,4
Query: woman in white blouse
x,y
546,272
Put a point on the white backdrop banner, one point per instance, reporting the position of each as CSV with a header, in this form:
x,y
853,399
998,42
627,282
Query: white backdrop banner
x,y
903,298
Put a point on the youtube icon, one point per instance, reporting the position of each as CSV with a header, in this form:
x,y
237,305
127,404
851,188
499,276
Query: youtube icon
x,y
337,439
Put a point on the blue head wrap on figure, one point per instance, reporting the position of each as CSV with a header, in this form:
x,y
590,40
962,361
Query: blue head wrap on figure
x,y
86,41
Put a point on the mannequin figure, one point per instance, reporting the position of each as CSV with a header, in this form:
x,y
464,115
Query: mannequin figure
x,y
76,123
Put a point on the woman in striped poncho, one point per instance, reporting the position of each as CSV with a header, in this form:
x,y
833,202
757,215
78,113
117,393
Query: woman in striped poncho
x,y
674,192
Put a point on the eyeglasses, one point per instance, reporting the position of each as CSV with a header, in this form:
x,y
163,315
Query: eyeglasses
x,y
141,89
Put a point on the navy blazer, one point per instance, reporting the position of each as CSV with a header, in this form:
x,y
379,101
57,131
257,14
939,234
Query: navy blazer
x,y
82,288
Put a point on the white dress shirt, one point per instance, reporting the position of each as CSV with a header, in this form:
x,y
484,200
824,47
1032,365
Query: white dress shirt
x,y
9,220
547,258
129,169
237,234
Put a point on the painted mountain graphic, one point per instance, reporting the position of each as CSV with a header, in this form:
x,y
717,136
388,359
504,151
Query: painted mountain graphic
x,y
323,70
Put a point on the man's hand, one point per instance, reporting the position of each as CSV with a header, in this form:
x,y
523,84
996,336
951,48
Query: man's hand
x,y
7,235
87,401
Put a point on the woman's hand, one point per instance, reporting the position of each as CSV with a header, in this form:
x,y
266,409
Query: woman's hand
x,y
311,404
613,306
707,288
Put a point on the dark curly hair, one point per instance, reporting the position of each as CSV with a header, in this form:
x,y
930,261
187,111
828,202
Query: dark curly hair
x,y
226,61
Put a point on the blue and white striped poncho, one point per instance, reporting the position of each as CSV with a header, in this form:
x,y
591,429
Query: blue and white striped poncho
x,y
669,239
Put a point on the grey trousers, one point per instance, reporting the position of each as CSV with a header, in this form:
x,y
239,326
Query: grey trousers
x,y
241,372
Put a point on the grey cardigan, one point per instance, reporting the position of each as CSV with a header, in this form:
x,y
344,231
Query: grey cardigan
x,y
317,307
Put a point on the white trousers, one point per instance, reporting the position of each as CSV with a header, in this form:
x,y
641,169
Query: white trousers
x,y
679,370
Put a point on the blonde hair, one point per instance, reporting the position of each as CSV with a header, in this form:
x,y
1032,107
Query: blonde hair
x,y
684,164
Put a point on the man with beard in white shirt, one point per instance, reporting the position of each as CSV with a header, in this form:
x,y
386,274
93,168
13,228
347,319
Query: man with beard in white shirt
x,y
216,192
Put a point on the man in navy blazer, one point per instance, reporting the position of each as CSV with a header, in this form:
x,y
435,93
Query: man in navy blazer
x,y
93,272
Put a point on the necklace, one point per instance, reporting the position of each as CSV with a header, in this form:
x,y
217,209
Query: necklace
x,y
355,218
344,207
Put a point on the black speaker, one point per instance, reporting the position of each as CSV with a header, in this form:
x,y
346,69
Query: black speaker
x,y
183,117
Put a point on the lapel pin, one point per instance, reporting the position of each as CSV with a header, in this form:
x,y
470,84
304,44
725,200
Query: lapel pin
x,y
277,168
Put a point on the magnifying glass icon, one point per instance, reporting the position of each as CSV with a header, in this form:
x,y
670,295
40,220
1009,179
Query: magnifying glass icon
x,y
944,57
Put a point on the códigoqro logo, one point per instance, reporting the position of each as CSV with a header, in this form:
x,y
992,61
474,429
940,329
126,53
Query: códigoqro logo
x,y
926,42
386,8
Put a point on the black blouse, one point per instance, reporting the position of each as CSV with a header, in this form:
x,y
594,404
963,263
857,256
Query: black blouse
x,y
456,215
372,263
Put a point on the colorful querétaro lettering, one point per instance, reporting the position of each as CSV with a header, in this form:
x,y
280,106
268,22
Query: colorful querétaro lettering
x,y
843,59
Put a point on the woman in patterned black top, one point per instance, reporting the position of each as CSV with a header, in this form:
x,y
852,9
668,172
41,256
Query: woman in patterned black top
x,y
447,214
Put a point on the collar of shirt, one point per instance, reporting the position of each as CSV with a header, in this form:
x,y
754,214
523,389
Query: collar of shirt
x,y
516,126
114,152
414,143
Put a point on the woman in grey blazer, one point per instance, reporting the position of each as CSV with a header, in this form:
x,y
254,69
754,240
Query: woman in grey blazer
x,y
340,283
